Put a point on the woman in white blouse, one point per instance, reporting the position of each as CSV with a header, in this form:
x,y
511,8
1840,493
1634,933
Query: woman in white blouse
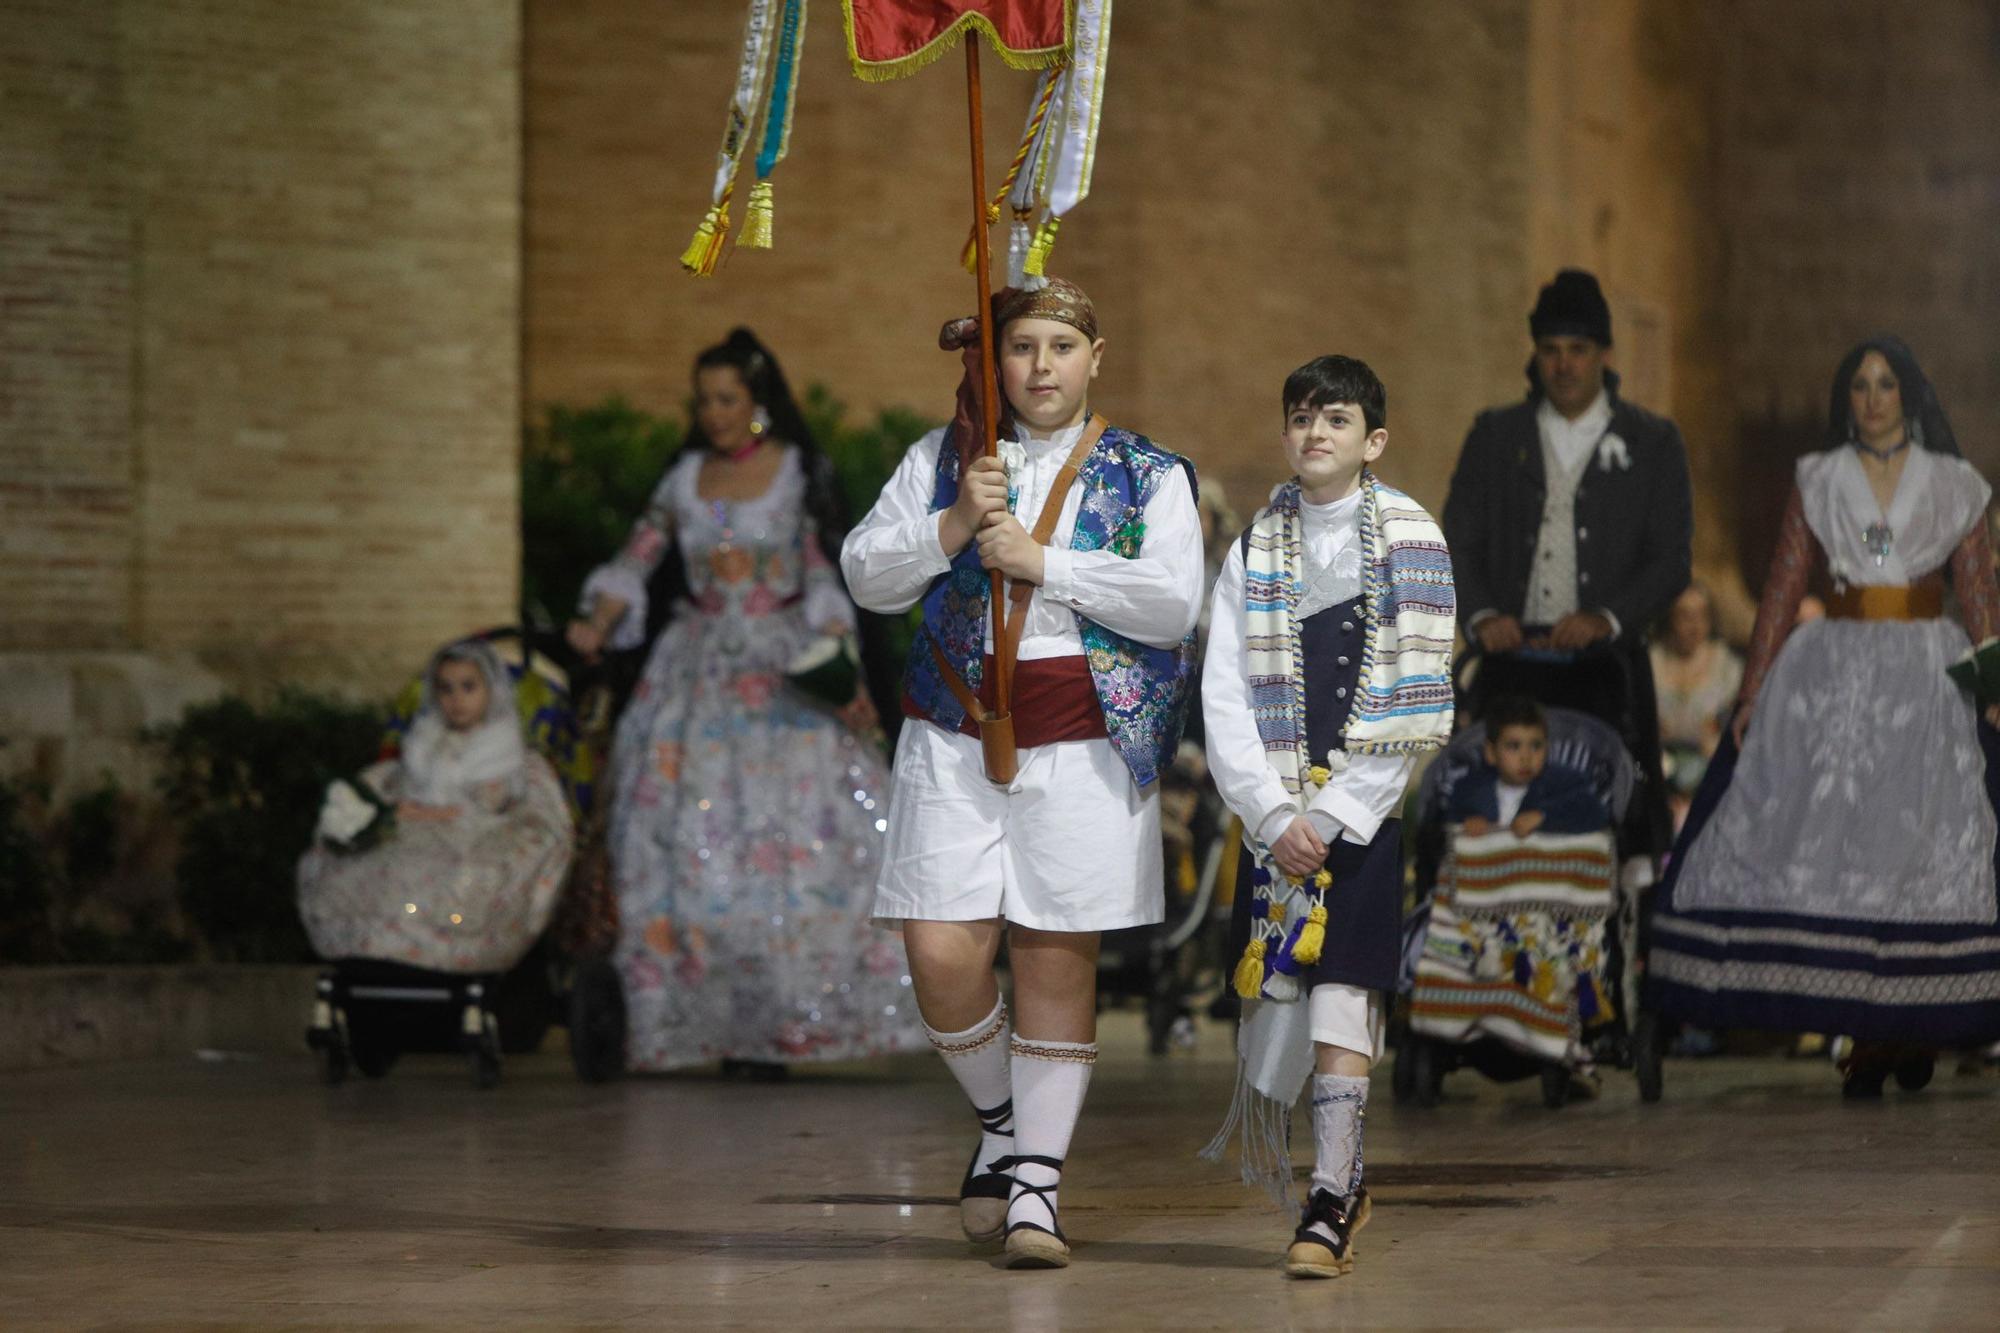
x,y
1840,877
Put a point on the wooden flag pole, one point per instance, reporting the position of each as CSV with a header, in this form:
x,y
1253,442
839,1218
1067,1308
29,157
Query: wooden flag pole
x,y
1003,676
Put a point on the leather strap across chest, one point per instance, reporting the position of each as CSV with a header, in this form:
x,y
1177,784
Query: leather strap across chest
x,y
1007,627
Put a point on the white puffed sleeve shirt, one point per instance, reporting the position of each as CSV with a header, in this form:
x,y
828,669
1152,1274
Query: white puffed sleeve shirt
x,y
1356,800
1073,843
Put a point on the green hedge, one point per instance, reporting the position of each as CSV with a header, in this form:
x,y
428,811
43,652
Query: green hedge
x,y
244,786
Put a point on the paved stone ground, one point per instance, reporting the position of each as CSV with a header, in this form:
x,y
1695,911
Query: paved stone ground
x,y
244,1195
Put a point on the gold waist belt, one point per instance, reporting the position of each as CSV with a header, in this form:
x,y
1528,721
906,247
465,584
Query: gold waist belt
x,y
1923,600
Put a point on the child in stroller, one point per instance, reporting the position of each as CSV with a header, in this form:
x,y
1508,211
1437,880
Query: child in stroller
x,y
435,871
1511,973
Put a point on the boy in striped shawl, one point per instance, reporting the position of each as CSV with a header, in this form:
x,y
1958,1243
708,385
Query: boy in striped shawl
x,y
1328,673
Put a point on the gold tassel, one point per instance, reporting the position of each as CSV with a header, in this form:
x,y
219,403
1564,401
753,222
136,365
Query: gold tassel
x,y
1250,971
1312,936
971,256
706,248
1038,253
756,232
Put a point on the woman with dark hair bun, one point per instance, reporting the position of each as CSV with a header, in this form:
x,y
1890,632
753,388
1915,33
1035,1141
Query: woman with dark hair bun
x,y
1840,877
746,818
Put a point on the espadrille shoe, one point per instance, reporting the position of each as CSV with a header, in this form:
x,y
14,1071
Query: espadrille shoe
x,y
982,1202
1313,1254
1029,1244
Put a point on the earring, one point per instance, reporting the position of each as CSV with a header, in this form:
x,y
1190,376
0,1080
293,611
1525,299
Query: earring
x,y
760,421
1914,428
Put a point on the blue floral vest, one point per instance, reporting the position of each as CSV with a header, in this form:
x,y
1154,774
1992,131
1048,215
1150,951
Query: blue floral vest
x,y
1144,691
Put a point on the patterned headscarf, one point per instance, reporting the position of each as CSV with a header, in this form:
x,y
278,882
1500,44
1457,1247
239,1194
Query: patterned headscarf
x,y
1058,299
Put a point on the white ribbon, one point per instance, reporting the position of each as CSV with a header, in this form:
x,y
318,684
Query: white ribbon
x,y
1080,104
758,32
1056,174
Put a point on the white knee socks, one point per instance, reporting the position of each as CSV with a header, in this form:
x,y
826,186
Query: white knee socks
x,y
1339,1106
1050,1078
978,1059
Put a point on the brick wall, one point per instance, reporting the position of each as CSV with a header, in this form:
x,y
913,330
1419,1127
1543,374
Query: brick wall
x,y
1859,186
66,464
1756,184
261,280
1275,181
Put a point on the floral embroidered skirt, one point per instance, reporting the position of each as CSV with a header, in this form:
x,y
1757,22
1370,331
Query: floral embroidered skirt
x,y
468,895
1839,875
745,835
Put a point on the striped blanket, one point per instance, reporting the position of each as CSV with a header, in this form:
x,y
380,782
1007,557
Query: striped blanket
x,y
1515,946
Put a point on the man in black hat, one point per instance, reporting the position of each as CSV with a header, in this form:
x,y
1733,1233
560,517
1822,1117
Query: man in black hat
x,y
1571,517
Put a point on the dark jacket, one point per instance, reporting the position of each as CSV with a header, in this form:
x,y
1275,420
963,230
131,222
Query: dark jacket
x,y
1564,797
1634,526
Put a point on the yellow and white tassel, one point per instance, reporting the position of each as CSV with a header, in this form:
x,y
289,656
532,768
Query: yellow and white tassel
x,y
1312,935
756,234
705,250
1038,253
1250,971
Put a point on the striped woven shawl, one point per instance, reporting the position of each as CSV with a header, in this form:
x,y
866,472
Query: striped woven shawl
x,y
1404,703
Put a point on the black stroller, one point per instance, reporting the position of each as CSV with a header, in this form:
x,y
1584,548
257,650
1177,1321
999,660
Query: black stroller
x,y
1595,726
369,1011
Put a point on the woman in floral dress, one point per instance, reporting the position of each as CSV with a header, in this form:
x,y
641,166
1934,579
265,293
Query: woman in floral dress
x,y
1840,878
746,817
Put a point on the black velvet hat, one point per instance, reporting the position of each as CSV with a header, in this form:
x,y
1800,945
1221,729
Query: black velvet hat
x,y
1573,305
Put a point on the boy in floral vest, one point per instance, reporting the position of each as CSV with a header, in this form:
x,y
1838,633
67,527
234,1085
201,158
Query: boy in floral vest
x,y
1328,672
1103,597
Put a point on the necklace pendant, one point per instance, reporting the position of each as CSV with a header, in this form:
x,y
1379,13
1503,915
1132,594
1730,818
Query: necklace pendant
x,y
1879,539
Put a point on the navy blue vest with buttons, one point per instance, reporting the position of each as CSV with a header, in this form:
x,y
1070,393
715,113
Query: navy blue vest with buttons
x,y
1332,641
1364,907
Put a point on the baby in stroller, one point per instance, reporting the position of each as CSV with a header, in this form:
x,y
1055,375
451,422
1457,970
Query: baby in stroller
x,y
1517,786
1513,956
434,871
454,856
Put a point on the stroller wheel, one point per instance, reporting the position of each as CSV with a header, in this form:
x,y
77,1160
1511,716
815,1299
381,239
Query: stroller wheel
x,y
332,1064
597,1022
375,1061
1403,1073
1646,1052
485,1055
1913,1072
1555,1086
1427,1072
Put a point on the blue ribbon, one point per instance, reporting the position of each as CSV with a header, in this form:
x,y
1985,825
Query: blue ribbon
x,y
781,89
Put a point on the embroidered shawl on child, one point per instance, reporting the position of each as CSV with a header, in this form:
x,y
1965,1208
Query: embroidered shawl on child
x,y
1404,703
1402,706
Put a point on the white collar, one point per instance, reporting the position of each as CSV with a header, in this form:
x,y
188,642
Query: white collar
x,y
1594,419
1333,512
1065,439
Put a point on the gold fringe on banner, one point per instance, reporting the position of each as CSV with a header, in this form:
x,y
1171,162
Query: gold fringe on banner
x,y
881,71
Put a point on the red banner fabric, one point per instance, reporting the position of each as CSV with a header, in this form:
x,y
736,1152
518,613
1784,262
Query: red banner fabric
x,y
887,39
